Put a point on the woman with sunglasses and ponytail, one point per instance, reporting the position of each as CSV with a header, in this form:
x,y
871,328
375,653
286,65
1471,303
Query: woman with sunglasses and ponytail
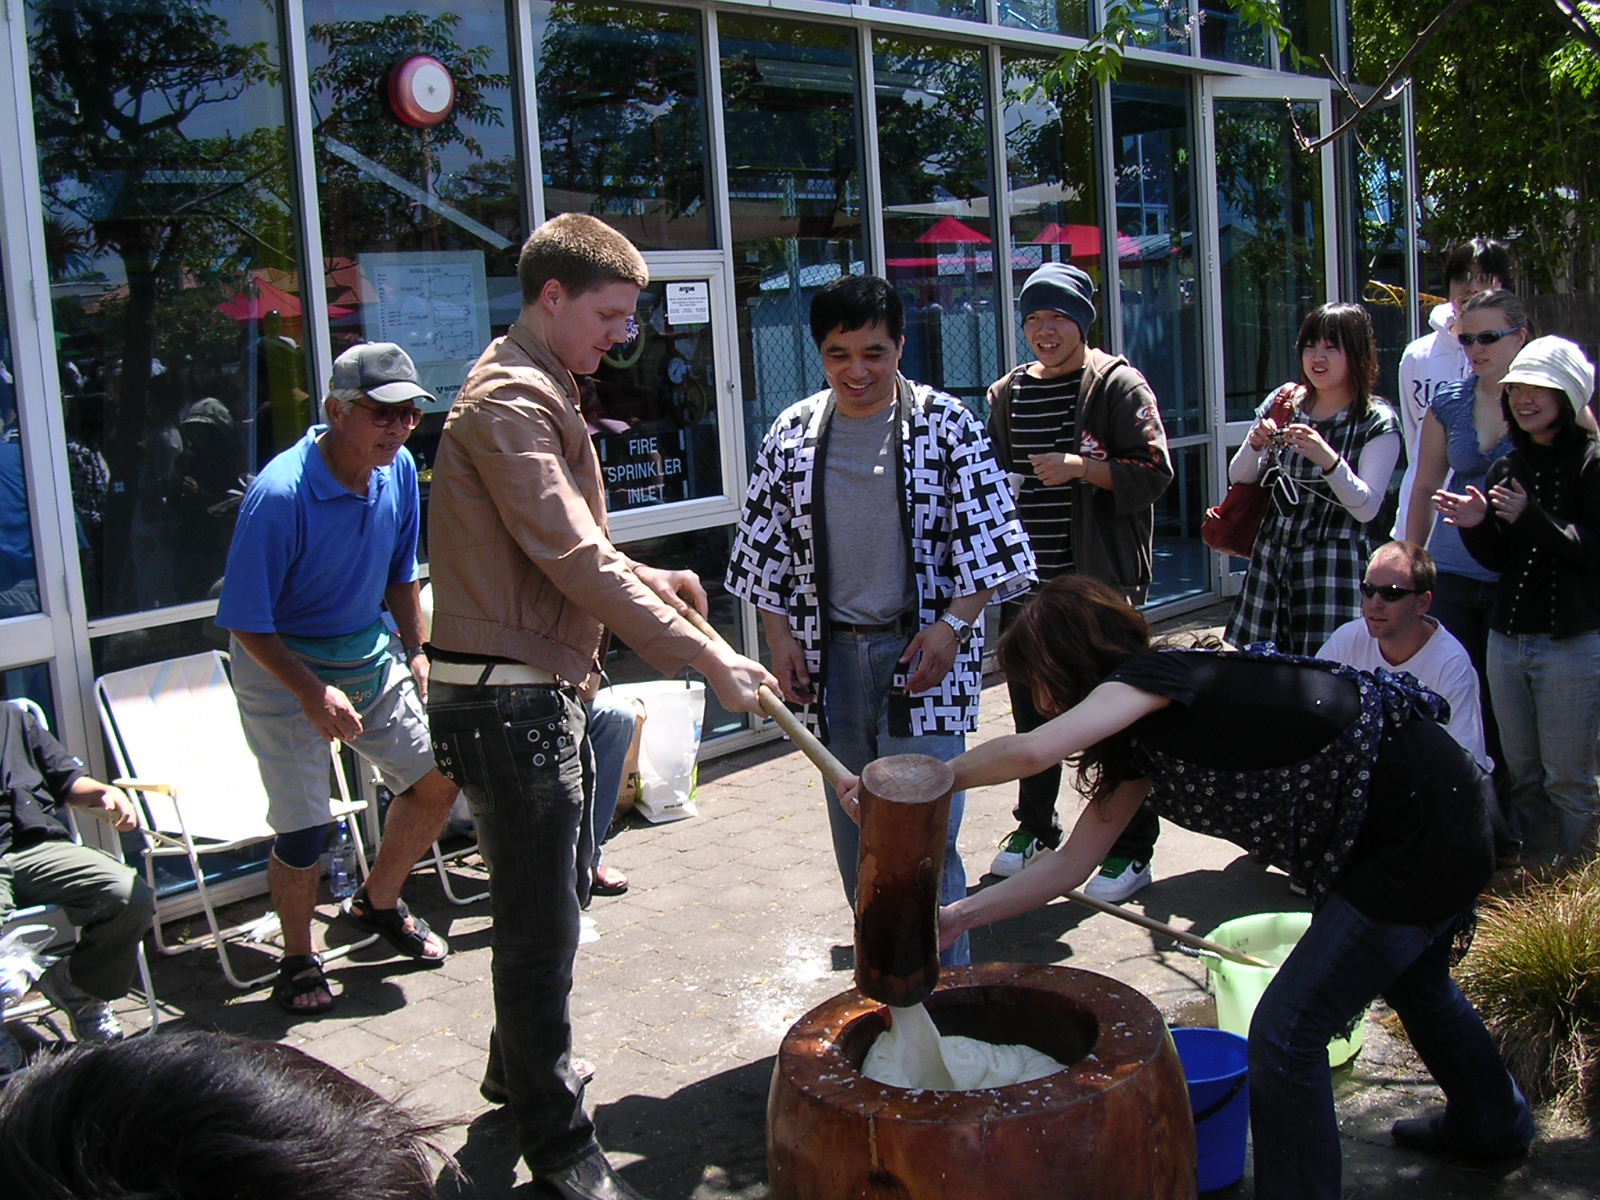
x,y
1536,522
1329,466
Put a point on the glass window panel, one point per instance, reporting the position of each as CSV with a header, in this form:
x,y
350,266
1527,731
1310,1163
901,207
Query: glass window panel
x,y
31,683
420,227
622,124
1377,151
19,580
652,407
706,552
1269,205
933,151
1224,36
961,10
1052,187
1047,16
1310,26
174,281
1162,25
1154,173
794,192
1182,561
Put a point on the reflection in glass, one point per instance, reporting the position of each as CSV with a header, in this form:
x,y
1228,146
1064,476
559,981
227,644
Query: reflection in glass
x,y
1269,205
1047,16
19,581
1182,561
961,10
794,192
1162,25
1052,188
622,124
174,280
1223,35
31,683
1377,151
1154,172
933,151
1310,26
652,405
704,551
420,227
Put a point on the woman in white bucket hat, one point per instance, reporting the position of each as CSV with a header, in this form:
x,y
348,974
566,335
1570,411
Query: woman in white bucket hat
x,y
1539,526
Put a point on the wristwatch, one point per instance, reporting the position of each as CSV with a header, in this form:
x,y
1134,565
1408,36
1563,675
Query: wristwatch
x,y
411,652
962,629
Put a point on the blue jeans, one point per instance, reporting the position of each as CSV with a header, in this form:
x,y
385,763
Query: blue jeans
x,y
1344,961
520,755
856,697
1546,696
611,724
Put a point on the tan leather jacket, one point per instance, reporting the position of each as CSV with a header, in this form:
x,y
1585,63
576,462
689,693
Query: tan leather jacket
x,y
522,564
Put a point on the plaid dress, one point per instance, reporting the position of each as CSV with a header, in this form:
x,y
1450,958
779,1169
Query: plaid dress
x,y
1304,578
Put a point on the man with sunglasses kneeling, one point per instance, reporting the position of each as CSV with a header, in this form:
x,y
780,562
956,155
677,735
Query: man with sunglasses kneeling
x,y
326,539
1395,633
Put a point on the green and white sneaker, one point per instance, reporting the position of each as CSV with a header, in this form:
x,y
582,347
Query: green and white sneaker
x,y
1118,879
1017,849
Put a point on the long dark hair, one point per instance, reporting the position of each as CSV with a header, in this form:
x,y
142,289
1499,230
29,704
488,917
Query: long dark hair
x,y
1349,327
1063,644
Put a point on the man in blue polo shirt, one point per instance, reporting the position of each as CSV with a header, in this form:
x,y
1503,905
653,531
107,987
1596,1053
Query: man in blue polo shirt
x,y
327,536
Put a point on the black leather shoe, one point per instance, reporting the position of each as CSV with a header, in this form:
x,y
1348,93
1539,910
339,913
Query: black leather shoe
x,y
1429,1135
589,1178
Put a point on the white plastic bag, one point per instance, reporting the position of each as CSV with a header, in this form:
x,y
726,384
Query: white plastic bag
x,y
23,960
669,746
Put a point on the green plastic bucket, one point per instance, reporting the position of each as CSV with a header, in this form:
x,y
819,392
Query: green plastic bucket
x,y
1238,988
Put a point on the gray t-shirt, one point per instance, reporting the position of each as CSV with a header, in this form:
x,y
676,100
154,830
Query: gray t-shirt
x,y
868,583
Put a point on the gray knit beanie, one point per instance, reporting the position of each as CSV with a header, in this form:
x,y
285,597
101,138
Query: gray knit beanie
x,y
1062,288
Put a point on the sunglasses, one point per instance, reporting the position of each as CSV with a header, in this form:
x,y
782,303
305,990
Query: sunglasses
x,y
1390,592
386,415
1485,339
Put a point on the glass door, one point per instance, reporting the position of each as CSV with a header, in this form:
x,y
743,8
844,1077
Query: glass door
x,y
1271,233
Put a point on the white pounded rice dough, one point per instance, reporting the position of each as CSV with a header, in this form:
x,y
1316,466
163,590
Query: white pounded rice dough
x,y
972,1064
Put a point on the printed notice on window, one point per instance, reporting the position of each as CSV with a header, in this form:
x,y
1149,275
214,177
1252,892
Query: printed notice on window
x,y
433,304
689,303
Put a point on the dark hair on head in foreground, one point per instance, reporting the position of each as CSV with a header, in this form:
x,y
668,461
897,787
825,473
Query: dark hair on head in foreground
x,y
197,1115
1485,255
854,302
1067,639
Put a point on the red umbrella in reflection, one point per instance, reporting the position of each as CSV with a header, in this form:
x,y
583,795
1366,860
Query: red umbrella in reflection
x,y
1083,241
949,231
260,298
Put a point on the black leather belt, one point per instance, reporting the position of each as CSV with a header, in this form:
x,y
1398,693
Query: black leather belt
x,y
901,624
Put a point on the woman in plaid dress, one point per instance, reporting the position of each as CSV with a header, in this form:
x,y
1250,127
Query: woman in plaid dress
x,y
1329,467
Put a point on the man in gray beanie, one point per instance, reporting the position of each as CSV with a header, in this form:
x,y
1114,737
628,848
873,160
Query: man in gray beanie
x,y
1080,432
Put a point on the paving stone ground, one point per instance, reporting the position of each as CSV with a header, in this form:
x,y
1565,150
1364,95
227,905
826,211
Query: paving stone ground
x,y
734,927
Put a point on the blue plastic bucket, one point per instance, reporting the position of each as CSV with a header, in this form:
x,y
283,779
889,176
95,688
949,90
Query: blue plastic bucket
x,y
1215,1064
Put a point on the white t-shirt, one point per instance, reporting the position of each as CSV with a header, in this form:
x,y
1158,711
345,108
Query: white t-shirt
x,y
1433,359
1442,664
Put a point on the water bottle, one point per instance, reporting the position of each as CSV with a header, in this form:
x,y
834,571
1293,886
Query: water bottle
x,y
342,864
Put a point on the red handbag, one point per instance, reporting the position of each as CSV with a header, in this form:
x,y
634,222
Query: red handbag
x,y
1231,526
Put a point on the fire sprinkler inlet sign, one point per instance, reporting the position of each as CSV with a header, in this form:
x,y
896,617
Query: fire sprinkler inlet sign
x,y
689,303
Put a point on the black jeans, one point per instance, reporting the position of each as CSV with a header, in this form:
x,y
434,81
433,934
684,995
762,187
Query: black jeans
x,y
520,756
1036,796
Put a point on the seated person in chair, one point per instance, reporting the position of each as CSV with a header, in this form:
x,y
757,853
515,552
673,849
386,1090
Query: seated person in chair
x,y
41,863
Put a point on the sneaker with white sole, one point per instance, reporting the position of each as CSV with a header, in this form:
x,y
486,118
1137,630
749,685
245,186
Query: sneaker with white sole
x,y
1018,849
1118,879
91,1019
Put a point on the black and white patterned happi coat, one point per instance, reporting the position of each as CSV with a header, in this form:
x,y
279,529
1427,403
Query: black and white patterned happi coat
x,y
962,530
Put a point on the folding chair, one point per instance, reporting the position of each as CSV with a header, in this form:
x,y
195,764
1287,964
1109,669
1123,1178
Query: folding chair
x,y
176,742
63,934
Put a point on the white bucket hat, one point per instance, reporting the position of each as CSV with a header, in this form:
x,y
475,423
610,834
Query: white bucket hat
x,y
1554,362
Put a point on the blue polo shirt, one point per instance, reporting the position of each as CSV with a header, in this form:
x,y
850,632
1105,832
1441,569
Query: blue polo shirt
x,y
310,558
